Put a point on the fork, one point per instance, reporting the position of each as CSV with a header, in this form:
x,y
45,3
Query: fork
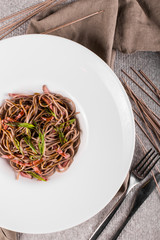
x,y
136,174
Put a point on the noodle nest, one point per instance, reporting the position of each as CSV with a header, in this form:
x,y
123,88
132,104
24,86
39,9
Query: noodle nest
x,y
39,133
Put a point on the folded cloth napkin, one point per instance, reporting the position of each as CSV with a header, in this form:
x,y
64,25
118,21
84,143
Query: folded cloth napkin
x,y
7,235
124,25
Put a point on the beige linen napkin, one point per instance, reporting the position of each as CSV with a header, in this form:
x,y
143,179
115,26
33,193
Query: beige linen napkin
x,y
124,25
7,235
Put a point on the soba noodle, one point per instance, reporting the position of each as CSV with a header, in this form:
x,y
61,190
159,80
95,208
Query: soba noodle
x,y
39,133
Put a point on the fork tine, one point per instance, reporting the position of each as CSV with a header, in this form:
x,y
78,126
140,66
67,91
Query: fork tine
x,y
139,163
145,160
148,163
151,165
147,168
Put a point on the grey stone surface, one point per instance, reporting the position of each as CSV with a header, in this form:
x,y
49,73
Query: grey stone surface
x,y
145,224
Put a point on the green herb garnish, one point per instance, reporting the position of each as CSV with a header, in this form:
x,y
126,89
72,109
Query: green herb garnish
x,y
51,112
36,176
35,123
61,135
17,145
71,121
18,124
28,141
41,143
60,132
26,125
34,157
28,132
67,122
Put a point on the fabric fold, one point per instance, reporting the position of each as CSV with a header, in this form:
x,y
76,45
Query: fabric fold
x,y
124,25
136,30
96,32
7,234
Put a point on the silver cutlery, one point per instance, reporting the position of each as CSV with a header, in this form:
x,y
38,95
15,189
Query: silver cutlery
x,y
142,194
136,174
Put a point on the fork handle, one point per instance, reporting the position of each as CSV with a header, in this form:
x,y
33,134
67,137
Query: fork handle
x,y
123,225
107,219
142,193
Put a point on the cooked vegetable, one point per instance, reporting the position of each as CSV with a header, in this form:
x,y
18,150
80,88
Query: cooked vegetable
x,y
39,134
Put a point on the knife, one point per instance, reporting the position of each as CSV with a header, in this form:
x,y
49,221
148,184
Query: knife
x,y
142,194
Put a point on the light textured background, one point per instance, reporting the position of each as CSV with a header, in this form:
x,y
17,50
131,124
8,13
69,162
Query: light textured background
x,y
145,224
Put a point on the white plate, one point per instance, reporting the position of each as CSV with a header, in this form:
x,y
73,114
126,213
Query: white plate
x,y
107,140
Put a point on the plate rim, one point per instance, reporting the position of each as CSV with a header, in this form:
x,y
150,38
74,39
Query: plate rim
x,y
109,69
